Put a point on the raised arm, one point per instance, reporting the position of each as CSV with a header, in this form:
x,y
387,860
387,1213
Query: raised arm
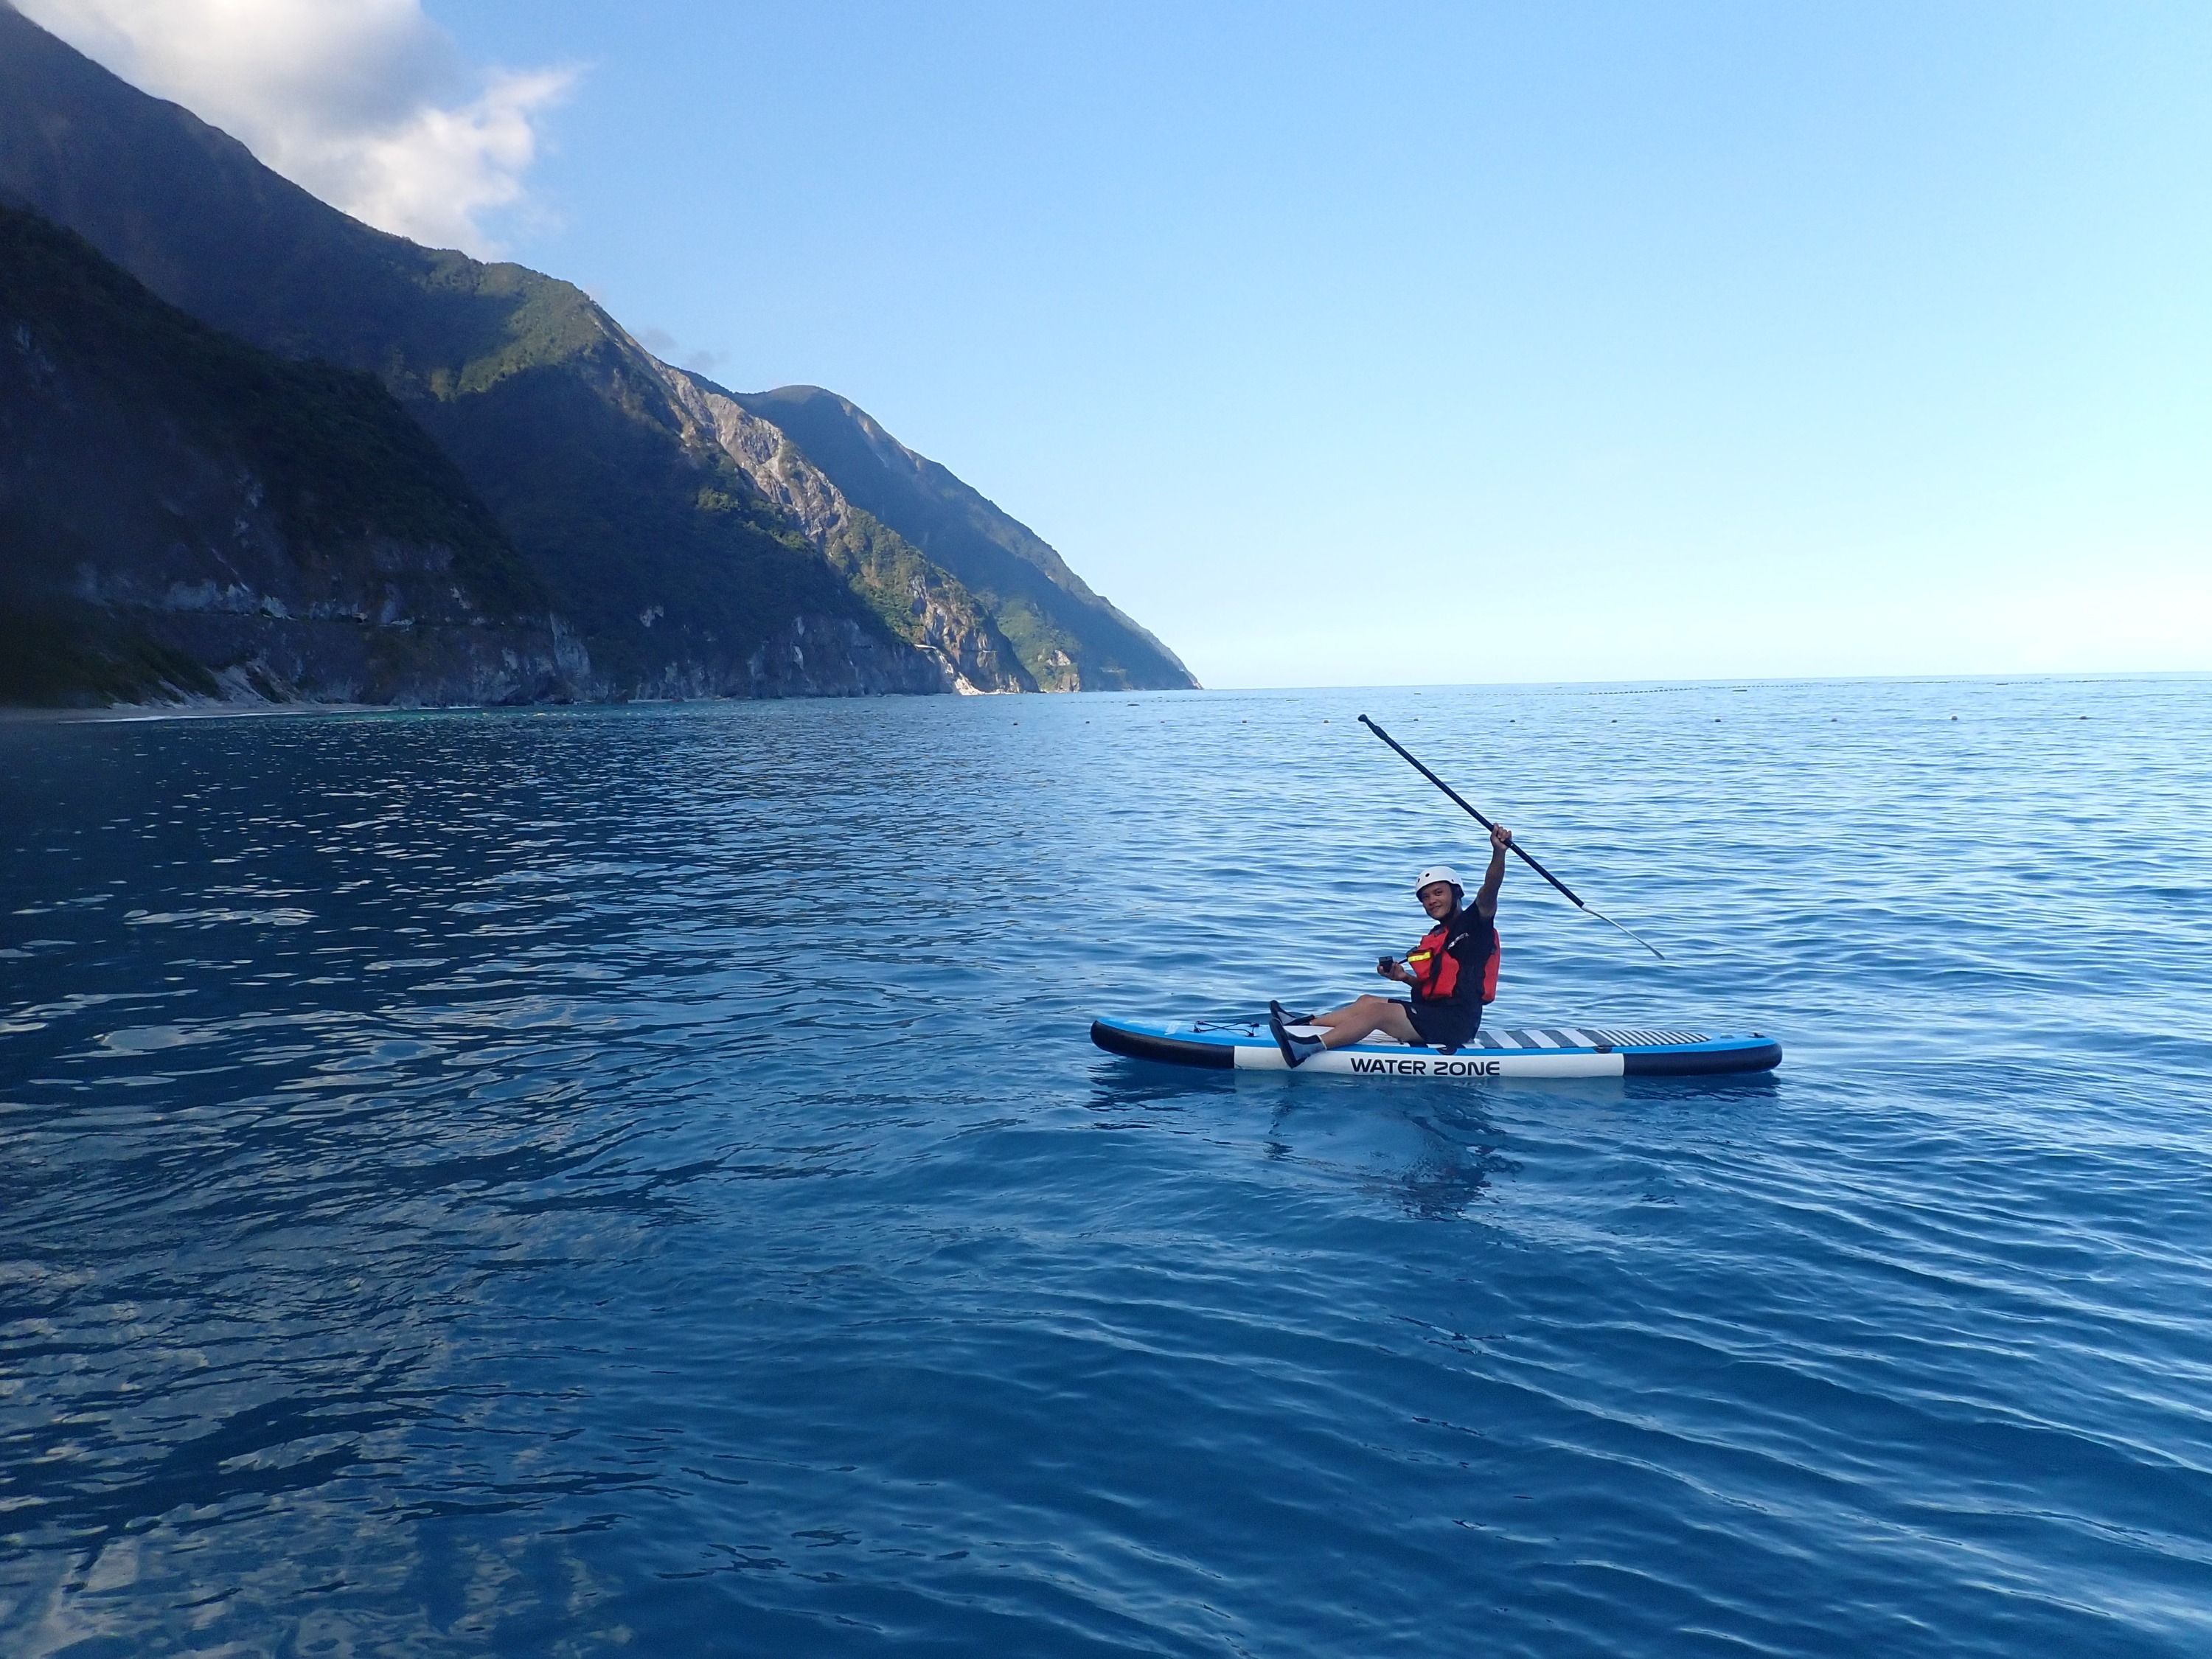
x,y
1486,900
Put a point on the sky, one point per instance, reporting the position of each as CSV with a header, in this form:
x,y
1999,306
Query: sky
x,y
1400,343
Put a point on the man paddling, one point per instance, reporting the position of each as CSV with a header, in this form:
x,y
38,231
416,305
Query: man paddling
x,y
1446,972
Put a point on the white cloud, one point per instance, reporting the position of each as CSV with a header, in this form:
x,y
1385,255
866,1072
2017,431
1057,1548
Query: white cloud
x,y
368,103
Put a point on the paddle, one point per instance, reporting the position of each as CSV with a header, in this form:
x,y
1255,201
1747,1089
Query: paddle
x,y
1408,757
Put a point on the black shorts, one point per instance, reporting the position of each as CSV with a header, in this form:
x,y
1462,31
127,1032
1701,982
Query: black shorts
x,y
1443,1025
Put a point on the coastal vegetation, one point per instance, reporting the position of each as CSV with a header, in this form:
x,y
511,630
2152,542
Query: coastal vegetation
x,y
579,478
230,480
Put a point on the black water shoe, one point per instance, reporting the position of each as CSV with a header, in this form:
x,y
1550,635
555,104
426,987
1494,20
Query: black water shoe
x,y
1297,1051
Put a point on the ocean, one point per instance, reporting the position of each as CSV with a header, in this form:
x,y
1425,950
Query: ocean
x,y
577,1182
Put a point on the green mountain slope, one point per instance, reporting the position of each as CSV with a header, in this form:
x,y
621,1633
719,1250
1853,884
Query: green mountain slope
x,y
916,598
1068,637
183,514
686,564
679,577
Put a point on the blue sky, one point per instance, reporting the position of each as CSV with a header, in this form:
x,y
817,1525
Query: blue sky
x,y
1431,344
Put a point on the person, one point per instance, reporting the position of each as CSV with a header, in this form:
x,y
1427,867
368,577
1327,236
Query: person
x,y
1444,972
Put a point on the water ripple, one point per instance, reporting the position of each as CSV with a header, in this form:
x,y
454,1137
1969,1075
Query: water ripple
x,y
564,1182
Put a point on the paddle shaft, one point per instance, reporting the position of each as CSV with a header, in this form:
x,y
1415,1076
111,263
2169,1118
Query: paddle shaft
x,y
1457,800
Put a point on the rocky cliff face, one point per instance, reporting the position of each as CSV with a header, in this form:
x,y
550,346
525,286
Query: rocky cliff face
x,y
687,545
921,602
181,515
669,568
1066,637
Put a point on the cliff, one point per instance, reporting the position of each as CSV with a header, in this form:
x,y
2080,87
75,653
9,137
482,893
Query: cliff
x,y
1067,637
182,515
687,544
920,602
677,577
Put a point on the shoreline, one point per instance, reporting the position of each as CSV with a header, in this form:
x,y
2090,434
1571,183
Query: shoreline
x,y
127,713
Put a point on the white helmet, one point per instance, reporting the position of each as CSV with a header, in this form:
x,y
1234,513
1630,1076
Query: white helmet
x,y
1437,872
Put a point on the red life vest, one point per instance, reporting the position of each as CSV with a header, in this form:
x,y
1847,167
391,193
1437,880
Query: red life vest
x,y
1436,970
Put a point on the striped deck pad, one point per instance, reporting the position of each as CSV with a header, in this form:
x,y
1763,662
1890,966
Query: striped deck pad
x,y
1575,1037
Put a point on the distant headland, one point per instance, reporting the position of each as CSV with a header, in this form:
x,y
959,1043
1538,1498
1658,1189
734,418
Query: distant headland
x,y
257,452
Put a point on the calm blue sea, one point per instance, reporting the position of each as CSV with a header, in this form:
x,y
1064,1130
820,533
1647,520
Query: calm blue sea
x,y
572,1182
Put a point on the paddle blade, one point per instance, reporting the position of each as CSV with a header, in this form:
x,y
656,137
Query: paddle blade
x,y
1638,936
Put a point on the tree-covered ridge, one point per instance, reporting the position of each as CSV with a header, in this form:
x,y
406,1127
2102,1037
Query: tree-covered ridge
x,y
680,580
154,467
335,452
679,576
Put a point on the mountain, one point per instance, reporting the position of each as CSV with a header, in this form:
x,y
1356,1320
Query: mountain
x,y
914,596
181,513
1067,637
690,552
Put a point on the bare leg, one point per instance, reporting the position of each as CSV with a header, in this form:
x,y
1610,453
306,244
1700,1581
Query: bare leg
x,y
1364,1018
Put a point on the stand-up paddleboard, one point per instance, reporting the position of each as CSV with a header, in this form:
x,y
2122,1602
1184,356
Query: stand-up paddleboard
x,y
1518,1051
